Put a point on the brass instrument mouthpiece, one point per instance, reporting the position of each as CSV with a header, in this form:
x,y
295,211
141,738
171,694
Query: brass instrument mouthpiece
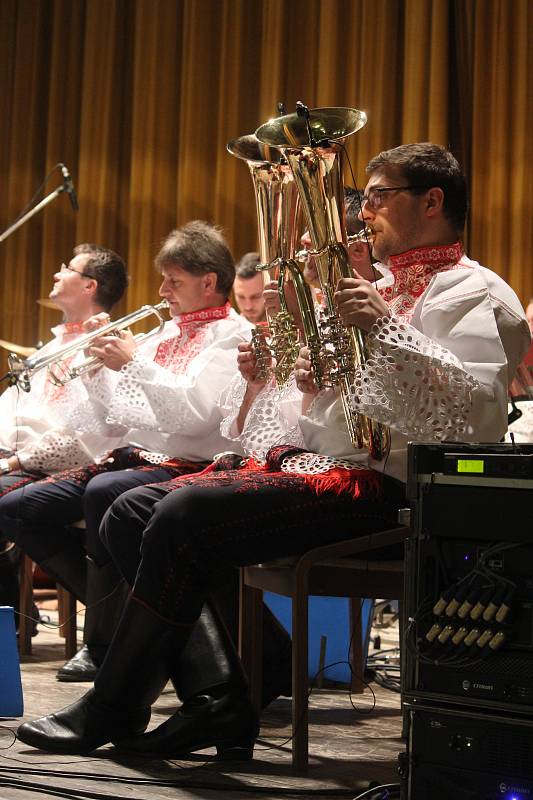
x,y
366,236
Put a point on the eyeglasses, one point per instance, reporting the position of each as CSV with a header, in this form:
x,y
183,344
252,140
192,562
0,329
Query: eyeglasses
x,y
374,198
67,267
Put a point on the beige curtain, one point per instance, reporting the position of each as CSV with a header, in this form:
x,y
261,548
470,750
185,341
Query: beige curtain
x,y
139,98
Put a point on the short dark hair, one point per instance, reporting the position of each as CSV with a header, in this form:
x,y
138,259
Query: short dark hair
x,y
426,165
352,207
199,247
108,270
246,267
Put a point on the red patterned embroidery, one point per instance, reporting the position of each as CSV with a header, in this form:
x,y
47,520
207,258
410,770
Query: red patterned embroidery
x,y
70,328
66,330
177,352
413,272
205,315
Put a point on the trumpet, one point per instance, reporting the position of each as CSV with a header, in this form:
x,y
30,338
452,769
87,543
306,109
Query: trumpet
x,y
59,366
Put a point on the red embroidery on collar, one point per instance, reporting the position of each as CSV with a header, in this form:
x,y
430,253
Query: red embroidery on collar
x,y
177,352
68,328
413,272
205,315
437,256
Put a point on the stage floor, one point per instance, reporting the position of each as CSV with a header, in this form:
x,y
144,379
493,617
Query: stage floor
x,y
349,748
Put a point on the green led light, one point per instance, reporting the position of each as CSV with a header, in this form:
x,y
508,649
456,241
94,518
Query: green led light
x,y
470,465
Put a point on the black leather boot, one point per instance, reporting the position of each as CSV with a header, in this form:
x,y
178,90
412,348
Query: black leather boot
x,y
131,677
277,644
107,593
68,568
216,712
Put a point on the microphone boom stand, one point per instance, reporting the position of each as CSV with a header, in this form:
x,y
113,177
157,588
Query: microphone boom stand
x,y
44,202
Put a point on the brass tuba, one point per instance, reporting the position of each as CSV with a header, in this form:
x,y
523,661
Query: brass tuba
x,y
278,215
312,143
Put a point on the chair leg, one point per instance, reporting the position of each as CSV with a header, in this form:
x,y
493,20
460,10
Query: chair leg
x,y
66,608
300,677
25,605
251,639
356,650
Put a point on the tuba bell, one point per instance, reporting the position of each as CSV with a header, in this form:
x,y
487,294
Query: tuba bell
x,y
278,215
312,143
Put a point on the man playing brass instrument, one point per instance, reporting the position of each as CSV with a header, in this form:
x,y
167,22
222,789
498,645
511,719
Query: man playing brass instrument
x,y
162,397
32,438
441,326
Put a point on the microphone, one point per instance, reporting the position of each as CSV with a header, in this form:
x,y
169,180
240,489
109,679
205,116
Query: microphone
x,y
69,187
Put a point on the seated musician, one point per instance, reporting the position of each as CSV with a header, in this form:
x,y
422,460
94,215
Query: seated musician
x,y
445,335
32,440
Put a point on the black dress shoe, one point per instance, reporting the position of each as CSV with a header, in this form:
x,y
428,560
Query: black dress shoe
x,y
83,726
81,668
228,723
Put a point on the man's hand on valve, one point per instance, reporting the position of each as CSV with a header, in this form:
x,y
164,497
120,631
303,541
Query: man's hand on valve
x,y
114,351
359,303
303,373
247,365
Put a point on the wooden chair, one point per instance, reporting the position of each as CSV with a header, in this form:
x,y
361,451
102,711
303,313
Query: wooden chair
x,y
332,570
66,608
66,605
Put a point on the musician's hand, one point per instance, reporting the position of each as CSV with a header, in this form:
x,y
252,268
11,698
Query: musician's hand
x,y
247,365
114,351
95,322
359,302
273,305
303,372
271,298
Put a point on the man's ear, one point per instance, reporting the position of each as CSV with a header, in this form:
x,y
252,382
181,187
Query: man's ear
x,y
434,201
210,282
91,287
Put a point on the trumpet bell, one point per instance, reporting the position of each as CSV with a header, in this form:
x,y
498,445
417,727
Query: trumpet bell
x,y
324,123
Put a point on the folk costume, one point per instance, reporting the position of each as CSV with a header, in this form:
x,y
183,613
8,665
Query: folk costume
x,y
162,406
444,357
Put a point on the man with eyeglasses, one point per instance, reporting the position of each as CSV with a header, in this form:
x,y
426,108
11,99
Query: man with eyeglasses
x,y
32,440
445,337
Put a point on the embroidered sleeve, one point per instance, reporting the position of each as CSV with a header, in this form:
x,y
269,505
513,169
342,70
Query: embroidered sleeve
x,y
271,421
54,451
150,397
82,405
412,384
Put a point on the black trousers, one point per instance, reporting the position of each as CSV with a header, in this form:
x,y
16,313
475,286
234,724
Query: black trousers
x,y
37,516
175,542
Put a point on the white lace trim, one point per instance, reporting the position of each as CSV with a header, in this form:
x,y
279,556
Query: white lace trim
x,y
266,424
154,458
53,452
412,384
314,464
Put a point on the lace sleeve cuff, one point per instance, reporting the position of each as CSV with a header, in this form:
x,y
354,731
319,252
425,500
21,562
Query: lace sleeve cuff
x,y
129,405
412,384
272,419
54,452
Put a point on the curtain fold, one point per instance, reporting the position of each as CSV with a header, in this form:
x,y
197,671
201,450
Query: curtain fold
x,y
139,98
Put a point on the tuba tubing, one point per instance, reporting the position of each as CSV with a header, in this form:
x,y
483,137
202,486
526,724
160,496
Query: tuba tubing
x,y
313,146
